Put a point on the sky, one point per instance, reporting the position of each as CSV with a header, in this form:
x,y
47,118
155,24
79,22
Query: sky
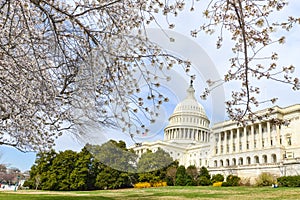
x,y
208,63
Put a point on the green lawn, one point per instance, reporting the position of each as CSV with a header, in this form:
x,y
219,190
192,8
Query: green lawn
x,y
173,193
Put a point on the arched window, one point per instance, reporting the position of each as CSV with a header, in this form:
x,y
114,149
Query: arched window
x,y
256,159
227,162
248,160
215,163
241,161
274,158
221,163
233,161
264,159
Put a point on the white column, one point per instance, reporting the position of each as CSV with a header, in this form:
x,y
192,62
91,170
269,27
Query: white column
x,y
225,142
245,138
260,137
231,142
237,145
277,136
251,140
268,134
167,134
283,137
219,143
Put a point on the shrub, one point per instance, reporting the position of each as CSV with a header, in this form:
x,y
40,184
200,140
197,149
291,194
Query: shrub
x,y
245,182
265,179
142,185
225,184
204,181
217,178
217,184
232,180
159,184
289,181
148,185
191,182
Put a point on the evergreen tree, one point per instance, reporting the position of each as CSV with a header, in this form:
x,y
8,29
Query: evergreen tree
x,y
181,176
39,171
204,177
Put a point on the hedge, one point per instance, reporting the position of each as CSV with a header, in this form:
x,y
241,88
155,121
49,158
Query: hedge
x,y
289,181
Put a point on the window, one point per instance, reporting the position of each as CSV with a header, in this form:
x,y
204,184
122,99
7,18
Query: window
x,y
256,159
280,140
274,158
233,161
289,140
241,161
248,160
247,144
265,160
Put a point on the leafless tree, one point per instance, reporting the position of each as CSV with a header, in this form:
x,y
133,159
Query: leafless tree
x,y
65,64
251,31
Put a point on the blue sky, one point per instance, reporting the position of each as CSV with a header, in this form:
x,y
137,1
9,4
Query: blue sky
x,y
205,54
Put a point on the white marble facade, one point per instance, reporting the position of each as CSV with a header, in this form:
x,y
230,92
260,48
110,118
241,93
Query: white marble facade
x,y
226,148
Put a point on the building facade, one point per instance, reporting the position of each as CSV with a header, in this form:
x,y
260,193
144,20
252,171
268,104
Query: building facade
x,y
227,148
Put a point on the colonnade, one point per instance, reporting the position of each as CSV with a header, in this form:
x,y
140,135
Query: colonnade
x,y
187,133
251,137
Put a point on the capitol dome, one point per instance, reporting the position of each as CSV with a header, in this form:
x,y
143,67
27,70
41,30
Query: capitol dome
x,y
190,105
188,121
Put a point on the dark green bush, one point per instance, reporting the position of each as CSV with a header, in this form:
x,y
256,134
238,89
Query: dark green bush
x,y
289,181
204,181
225,184
217,178
231,180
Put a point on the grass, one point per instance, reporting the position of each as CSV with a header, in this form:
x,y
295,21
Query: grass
x,y
163,193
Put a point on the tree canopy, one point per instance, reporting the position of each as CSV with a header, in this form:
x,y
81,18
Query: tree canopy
x,y
90,169
66,65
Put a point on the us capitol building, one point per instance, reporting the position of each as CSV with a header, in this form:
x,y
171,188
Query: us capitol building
x,y
225,147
